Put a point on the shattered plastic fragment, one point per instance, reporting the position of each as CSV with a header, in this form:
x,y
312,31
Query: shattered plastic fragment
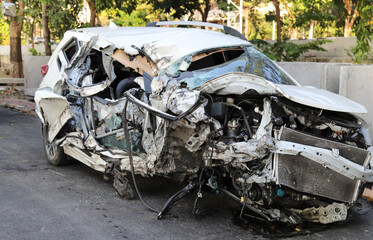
x,y
182,99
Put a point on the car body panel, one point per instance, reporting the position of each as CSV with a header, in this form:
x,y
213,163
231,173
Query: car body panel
x,y
239,83
320,98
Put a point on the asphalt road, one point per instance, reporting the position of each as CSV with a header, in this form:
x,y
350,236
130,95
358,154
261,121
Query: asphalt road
x,y
39,201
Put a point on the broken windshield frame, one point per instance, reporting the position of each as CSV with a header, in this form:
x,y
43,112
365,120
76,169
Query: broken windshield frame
x,y
251,61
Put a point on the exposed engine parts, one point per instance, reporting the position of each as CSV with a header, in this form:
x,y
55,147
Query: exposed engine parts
x,y
242,140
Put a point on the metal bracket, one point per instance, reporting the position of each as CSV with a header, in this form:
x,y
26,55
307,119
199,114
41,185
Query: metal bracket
x,y
121,183
175,198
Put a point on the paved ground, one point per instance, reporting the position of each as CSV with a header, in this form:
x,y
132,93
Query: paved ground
x,y
39,201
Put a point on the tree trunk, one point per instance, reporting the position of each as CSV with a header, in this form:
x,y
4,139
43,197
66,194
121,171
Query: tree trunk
x,y
32,34
15,29
310,36
276,3
205,12
98,19
351,17
348,28
92,16
47,36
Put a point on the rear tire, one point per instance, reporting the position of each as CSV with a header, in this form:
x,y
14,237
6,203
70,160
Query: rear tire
x,y
53,153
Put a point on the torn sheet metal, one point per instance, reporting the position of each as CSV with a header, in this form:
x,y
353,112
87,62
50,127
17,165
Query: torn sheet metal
x,y
332,213
183,99
72,139
92,89
93,160
265,127
242,151
107,108
55,111
84,47
138,63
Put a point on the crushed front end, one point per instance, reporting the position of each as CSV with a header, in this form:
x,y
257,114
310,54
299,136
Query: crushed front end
x,y
226,119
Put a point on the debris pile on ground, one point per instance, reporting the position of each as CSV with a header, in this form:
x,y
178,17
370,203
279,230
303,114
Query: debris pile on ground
x,y
12,98
273,230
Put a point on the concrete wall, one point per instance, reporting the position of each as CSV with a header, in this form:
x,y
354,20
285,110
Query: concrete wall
x,y
320,75
306,73
5,52
356,83
32,71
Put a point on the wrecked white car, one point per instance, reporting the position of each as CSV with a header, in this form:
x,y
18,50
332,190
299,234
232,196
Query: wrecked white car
x,y
207,108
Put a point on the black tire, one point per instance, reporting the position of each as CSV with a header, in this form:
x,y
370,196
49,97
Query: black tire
x,y
124,85
53,153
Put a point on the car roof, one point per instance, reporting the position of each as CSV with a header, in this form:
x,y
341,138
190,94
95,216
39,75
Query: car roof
x,y
164,45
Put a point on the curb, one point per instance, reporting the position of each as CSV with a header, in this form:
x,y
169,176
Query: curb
x,y
21,105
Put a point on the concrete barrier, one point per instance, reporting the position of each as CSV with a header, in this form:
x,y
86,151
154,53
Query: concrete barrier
x,y
32,71
306,73
356,83
5,52
320,75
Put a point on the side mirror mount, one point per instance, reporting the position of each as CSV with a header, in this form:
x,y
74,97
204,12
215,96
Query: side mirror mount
x,y
8,9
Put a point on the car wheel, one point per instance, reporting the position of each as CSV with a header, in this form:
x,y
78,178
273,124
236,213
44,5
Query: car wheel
x,y
54,154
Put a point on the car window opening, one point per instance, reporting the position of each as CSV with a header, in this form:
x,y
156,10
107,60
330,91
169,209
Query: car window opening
x,y
214,59
71,49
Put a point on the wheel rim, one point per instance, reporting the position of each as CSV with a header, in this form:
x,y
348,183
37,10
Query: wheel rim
x,y
51,148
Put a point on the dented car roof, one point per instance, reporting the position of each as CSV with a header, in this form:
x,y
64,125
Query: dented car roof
x,y
164,45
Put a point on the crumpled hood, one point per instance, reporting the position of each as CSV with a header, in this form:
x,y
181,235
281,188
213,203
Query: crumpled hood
x,y
239,83
320,98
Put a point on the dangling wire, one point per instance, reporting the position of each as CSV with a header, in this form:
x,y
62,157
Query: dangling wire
x,y
129,151
199,194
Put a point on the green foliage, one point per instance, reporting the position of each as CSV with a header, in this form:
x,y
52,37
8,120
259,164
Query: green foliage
x,y
34,52
223,5
143,14
4,31
364,33
259,28
32,16
323,13
177,8
63,16
117,6
288,51
318,10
